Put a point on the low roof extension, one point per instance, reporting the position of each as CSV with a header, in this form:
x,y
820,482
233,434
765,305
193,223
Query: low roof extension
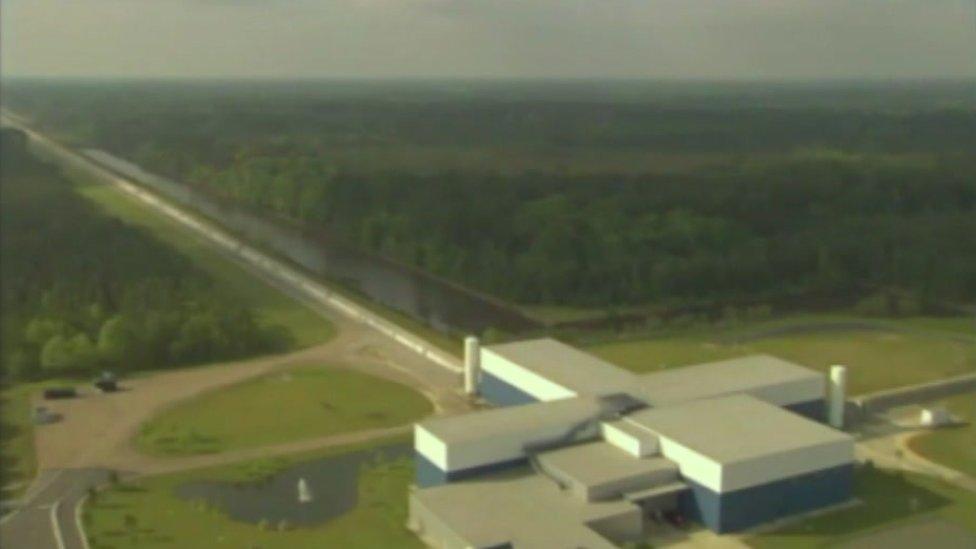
x,y
597,470
526,511
486,424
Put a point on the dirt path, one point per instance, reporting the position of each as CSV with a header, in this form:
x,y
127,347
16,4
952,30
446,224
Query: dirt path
x,y
947,473
98,430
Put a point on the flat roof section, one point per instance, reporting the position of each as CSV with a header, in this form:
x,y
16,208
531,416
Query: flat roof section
x,y
735,428
485,424
566,366
598,470
528,511
737,375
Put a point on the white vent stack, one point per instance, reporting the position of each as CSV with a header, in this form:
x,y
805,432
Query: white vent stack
x,y
472,364
838,396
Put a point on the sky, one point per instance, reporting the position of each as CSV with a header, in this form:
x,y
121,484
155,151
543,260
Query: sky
x,y
669,39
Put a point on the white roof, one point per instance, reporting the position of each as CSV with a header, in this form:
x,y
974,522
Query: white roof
x,y
735,428
567,366
748,374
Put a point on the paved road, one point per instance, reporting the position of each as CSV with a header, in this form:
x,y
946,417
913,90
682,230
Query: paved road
x,y
49,513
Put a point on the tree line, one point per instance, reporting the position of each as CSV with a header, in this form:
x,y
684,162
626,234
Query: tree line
x,y
813,223
795,192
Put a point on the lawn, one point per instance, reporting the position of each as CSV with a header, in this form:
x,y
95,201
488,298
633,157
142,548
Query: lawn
x,y
272,306
17,460
954,446
888,499
147,514
891,355
306,402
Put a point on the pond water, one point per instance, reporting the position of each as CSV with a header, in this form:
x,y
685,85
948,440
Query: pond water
x,y
440,304
333,483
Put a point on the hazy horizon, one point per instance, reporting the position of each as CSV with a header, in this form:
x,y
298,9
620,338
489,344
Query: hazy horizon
x,y
667,40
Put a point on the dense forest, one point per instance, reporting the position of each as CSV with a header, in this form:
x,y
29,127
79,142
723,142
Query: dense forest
x,y
579,194
815,223
82,291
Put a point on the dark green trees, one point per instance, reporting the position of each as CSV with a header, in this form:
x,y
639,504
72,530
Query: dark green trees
x,y
83,292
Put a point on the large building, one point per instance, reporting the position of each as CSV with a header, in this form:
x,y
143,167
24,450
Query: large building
x,y
580,453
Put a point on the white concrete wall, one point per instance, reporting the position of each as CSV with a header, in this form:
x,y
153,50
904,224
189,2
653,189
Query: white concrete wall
x,y
692,465
643,446
773,467
522,378
721,478
429,446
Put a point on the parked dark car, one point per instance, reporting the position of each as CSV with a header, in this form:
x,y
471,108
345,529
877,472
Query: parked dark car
x,y
60,392
107,383
107,386
675,518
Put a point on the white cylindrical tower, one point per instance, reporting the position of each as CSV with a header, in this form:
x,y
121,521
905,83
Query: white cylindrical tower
x,y
838,396
472,364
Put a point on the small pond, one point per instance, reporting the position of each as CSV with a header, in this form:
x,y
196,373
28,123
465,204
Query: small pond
x,y
333,483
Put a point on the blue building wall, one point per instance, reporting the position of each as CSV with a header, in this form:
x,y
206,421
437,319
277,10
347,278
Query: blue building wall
x,y
428,474
812,409
501,393
756,505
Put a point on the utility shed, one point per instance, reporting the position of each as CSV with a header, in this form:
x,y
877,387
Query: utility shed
x,y
748,461
544,370
526,511
458,447
766,377
597,471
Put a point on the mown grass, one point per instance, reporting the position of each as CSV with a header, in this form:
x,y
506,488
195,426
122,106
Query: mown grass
x,y
887,499
18,463
953,446
890,354
273,307
301,403
147,514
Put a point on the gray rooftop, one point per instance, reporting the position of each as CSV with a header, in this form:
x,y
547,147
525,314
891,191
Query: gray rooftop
x,y
738,375
528,511
497,421
735,428
567,366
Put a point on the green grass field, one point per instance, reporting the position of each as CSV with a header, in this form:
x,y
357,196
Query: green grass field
x,y
306,402
898,353
271,305
158,519
954,446
887,500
